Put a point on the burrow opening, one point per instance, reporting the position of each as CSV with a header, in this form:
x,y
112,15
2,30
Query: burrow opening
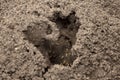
x,y
57,51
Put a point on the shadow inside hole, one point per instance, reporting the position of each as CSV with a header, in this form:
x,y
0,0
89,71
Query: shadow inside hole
x,y
63,21
59,51
49,30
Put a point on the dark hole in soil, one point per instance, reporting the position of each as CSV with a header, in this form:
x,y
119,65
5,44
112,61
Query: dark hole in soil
x,y
59,51
36,13
34,53
49,30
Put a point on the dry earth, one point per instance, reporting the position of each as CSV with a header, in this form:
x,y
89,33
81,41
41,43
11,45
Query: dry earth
x,y
59,39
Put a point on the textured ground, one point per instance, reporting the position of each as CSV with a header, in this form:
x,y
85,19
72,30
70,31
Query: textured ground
x,y
59,39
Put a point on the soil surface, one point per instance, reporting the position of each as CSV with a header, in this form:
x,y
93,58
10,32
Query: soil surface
x,y
59,39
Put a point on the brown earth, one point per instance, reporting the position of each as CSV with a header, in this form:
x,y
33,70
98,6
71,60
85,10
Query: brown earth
x,y
59,40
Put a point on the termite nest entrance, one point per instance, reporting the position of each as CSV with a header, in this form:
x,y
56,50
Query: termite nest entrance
x,y
57,51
